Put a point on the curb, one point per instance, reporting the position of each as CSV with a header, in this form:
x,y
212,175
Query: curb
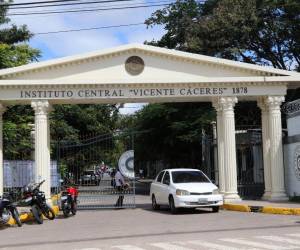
x,y
236,207
261,209
281,210
25,217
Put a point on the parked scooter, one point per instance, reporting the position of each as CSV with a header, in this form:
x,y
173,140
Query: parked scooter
x,y
69,200
8,209
37,200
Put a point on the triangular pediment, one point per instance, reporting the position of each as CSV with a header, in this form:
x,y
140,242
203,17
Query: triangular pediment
x,y
159,65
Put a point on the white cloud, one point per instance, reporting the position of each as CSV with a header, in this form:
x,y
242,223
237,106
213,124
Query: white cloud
x,y
63,44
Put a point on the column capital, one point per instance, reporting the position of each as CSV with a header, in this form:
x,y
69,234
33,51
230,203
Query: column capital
x,y
41,107
274,102
224,103
216,104
261,103
228,103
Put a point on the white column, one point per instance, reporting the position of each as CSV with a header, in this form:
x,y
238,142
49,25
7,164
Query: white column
x,y
227,104
220,141
276,153
266,147
42,145
2,110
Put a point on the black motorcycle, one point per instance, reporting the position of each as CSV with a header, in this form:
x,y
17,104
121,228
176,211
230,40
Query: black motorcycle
x,y
36,199
8,209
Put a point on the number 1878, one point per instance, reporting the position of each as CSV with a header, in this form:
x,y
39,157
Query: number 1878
x,y
240,90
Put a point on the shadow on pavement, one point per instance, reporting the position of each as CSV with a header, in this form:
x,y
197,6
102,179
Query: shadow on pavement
x,y
166,210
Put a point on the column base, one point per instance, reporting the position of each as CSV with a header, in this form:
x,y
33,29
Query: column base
x,y
266,196
278,197
229,197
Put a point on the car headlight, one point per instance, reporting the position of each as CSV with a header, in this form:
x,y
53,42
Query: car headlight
x,y
216,191
181,192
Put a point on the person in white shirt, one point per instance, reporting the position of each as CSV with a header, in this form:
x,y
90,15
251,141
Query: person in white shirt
x,y
119,182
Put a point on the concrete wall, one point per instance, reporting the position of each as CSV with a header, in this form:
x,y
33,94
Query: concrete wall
x,y
291,151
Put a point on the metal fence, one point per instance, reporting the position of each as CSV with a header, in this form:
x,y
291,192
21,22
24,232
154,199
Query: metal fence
x,y
250,172
90,163
105,195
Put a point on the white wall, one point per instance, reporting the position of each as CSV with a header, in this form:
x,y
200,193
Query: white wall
x,y
292,181
293,125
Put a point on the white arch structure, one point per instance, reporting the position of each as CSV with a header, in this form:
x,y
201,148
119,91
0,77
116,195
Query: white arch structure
x,y
167,76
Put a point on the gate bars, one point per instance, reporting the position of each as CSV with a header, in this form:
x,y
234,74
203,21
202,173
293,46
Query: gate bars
x,y
90,162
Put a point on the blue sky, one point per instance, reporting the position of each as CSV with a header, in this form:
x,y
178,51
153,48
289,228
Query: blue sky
x,y
65,44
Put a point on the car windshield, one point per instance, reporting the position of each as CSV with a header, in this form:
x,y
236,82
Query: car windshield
x,y
188,176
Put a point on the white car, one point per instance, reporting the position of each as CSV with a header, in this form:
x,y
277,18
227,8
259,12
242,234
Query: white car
x,y
184,188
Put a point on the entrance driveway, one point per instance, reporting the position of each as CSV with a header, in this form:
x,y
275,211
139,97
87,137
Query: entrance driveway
x,y
142,228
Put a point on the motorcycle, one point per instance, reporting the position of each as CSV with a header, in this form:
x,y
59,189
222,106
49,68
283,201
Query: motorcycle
x,y
36,199
69,200
8,209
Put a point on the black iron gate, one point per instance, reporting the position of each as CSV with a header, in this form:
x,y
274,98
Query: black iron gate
x,y
250,173
90,162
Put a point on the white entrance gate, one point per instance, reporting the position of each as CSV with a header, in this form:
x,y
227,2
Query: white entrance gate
x,y
140,73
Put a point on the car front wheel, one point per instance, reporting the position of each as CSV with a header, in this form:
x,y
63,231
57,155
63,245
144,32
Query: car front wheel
x,y
173,209
215,209
154,204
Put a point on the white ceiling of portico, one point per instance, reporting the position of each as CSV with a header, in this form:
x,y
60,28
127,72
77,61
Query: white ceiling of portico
x,y
108,66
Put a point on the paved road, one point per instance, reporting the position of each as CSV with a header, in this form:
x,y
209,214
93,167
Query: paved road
x,y
142,228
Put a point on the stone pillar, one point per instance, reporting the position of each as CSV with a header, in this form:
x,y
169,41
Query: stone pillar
x,y
266,147
42,145
2,110
220,142
276,154
228,123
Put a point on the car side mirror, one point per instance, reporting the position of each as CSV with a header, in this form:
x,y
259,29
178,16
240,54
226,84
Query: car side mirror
x,y
167,182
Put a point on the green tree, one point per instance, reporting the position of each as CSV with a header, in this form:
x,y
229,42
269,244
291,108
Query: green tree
x,y
84,136
68,122
13,48
265,32
14,51
255,31
172,134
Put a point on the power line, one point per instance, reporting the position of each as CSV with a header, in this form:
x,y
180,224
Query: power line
x,y
7,4
84,10
87,29
41,2
66,4
107,6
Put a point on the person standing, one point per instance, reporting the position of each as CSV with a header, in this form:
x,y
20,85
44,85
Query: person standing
x,y
119,182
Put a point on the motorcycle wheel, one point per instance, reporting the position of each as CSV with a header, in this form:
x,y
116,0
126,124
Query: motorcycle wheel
x,y
15,215
74,208
66,210
37,214
48,212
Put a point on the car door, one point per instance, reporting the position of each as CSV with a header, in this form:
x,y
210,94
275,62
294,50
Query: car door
x,y
156,187
165,187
